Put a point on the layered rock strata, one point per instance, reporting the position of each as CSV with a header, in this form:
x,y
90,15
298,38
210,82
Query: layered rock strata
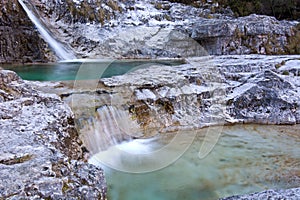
x,y
205,91
151,29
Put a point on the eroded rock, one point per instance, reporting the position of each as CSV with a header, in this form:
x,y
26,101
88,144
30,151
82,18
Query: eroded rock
x,y
151,29
205,91
41,155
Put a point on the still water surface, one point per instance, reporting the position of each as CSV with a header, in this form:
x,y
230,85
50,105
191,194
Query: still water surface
x,y
83,70
247,158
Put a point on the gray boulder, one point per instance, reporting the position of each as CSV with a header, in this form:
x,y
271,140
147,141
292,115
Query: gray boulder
x,y
290,194
251,34
41,156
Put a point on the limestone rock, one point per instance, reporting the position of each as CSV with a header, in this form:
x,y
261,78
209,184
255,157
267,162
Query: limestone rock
x,y
152,29
244,35
291,194
41,155
266,98
205,91
247,89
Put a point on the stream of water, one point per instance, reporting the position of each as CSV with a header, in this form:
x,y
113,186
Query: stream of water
x,y
56,46
247,158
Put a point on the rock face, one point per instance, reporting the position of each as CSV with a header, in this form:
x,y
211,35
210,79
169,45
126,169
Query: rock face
x,y
141,29
41,155
150,29
244,35
219,90
205,91
19,40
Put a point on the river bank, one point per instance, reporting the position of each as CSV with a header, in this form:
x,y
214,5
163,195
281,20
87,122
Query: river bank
x,y
227,79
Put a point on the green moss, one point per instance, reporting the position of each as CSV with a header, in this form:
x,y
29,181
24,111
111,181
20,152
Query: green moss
x,y
16,160
285,73
159,6
65,187
101,16
293,46
166,105
114,5
209,16
278,65
167,17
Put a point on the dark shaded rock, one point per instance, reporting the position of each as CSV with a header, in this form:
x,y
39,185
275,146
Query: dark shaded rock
x,y
266,98
19,40
244,35
41,154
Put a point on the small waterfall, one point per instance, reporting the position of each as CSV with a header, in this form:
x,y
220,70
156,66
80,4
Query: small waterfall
x,y
110,126
57,47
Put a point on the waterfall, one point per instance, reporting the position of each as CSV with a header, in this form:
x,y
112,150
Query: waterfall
x,y
110,126
57,47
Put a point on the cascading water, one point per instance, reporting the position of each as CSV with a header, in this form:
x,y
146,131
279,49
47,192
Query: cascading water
x,y
110,126
58,48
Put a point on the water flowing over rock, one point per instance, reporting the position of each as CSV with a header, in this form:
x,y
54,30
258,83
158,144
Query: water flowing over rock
x,y
19,41
41,155
205,91
60,51
147,29
142,29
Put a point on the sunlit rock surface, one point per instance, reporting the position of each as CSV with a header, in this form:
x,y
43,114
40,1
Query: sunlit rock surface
x,y
40,155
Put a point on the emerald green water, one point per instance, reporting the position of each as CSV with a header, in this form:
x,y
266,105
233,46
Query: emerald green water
x,y
83,70
246,159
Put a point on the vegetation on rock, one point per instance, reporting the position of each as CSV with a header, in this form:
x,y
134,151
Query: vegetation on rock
x,y
281,9
99,11
293,46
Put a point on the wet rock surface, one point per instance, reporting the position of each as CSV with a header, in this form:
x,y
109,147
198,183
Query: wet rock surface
x,y
213,90
41,155
205,91
19,40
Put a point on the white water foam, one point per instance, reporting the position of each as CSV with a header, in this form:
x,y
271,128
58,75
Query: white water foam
x,y
58,48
